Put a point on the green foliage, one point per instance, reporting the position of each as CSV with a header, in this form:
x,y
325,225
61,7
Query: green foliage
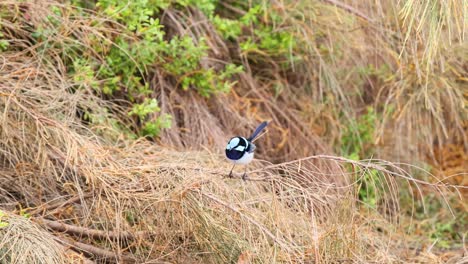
x,y
130,54
153,128
117,65
101,119
265,36
444,232
228,28
252,15
275,42
183,54
179,56
145,111
442,228
135,15
357,143
369,186
357,138
3,43
3,223
83,73
209,82
24,213
206,6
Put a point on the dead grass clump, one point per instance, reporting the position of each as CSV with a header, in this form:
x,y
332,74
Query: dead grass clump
x,y
140,203
22,241
415,79
133,202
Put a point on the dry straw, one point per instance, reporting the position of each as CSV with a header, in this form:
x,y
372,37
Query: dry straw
x,y
135,201
21,241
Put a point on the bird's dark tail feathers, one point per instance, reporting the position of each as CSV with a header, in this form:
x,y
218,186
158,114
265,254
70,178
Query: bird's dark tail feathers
x,y
258,130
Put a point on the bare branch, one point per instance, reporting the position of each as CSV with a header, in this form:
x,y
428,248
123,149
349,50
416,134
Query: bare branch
x,y
49,207
93,233
96,252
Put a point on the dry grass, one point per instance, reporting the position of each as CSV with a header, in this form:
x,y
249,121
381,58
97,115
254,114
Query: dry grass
x,y
136,201
21,241
181,201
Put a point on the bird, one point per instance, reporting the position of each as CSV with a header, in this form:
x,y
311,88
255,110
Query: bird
x,y
240,150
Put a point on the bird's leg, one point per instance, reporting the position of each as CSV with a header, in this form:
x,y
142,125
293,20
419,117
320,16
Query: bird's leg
x,y
244,176
230,173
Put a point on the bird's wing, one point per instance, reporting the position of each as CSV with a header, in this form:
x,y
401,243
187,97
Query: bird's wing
x,y
251,147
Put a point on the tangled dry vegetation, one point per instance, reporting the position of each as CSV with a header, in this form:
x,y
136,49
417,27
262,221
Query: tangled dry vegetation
x,y
136,202
78,192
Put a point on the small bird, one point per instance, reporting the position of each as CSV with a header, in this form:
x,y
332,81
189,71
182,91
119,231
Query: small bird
x,y
240,150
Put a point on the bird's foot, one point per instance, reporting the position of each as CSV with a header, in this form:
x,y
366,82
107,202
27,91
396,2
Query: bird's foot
x,y
230,175
245,176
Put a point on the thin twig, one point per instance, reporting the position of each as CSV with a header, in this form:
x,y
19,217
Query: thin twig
x,y
349,9
232,8
96,252
93,233
70,250
50,207
379,167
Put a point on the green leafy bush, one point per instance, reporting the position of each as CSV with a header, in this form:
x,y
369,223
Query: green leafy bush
x,y
152,126
2,222
3,43
358,136
119,64
357,143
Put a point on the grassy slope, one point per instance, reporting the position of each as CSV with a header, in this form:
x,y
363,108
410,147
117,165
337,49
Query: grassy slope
x,y
176,205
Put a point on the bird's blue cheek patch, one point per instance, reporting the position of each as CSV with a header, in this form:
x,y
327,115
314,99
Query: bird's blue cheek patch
x,y
233,143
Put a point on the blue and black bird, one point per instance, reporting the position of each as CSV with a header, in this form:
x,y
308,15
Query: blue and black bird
x,y
240,150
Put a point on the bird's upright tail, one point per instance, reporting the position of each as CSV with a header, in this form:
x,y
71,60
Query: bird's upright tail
x,y
258,130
